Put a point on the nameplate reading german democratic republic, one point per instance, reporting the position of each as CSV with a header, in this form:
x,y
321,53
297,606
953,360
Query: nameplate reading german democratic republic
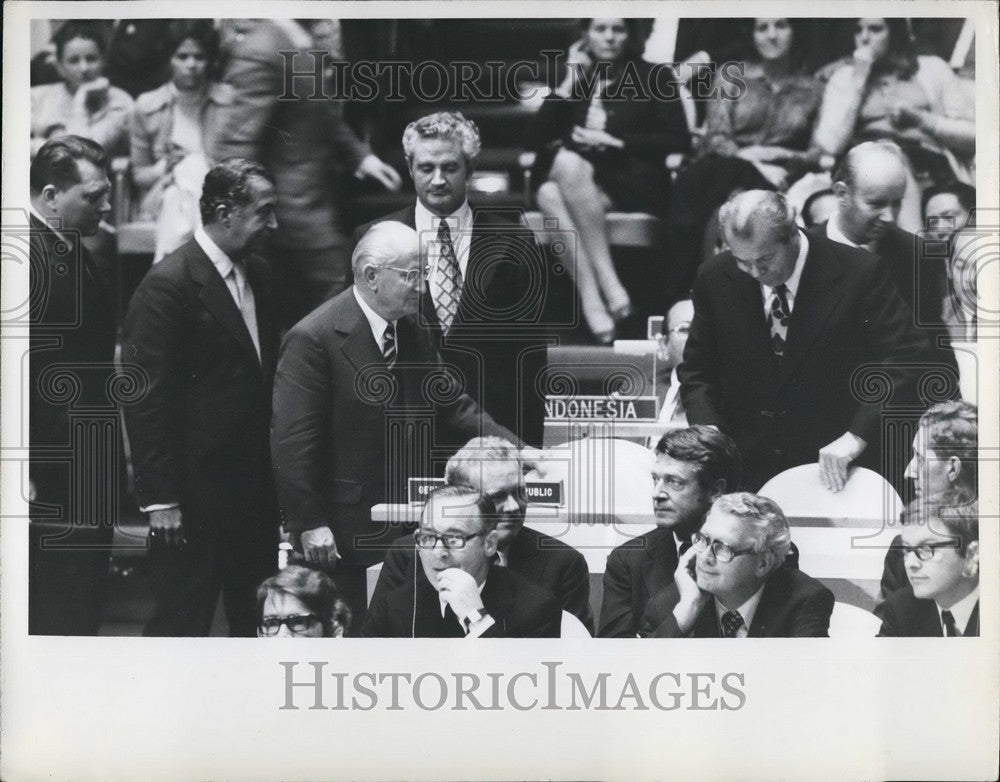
x,y
536,492
417,489
601,408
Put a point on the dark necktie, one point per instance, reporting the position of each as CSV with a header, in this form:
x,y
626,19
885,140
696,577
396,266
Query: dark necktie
x,y
777,320
389,346
446,283
948,621
731,622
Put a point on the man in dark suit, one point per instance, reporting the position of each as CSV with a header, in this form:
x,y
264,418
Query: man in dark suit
x,y
492,466
941,550
302,141
734,583
201,327
486,282
869,187
789,333
360,402
73,325
694,466
458,590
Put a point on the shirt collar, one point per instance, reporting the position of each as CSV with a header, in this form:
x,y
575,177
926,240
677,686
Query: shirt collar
x,y
962,610
747,610
836,234
376,322
426,220
792,283
222,262
444,603
38,215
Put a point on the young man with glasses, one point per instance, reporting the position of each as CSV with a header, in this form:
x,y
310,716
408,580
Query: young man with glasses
x,y
493,466
299,602
940,548
733,581
458,591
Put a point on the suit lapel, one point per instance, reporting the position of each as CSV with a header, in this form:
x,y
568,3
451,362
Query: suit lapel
x,y
818,295
217,299
660,563
258,279
747,306
498,597
972,627
359,344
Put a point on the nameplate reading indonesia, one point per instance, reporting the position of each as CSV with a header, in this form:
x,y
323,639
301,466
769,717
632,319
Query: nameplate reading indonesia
x,y
601,408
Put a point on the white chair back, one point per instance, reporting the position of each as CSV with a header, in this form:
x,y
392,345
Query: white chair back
x,y
849,621
572,627
800,492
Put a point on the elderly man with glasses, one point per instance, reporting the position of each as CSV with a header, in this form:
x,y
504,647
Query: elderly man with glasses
x,y
459,590
733,582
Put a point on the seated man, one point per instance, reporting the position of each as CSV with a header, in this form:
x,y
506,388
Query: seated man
x,y
299,602
675,329
458,591
694,466
492,466
941,550
733,582
945,459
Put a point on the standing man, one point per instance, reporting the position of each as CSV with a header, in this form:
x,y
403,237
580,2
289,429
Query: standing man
x,y
459,590
201,326
676,327
73,327
694,466
485,291
733,582
360,402
787,329
301,140
493,467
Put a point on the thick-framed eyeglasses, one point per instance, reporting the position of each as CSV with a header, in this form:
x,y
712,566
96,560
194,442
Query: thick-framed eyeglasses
x,y
723,552
409,276
925,551
449,540
296,623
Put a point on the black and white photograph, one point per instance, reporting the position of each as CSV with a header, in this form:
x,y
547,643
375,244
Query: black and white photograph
x,y
422,327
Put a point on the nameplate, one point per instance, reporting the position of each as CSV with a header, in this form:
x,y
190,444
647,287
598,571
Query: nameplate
x,y
417,489
537,492
601,408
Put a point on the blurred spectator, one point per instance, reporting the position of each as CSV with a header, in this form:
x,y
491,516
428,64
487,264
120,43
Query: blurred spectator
x,y
167,128
885,91
756,140
947,209
949,217
602,149
139,52
819,207
676,327
84,103
299,602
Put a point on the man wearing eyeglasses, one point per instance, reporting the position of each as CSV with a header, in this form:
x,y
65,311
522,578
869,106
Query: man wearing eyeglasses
x,y
940,549
733,581
676,327
360,399
493,466
458,590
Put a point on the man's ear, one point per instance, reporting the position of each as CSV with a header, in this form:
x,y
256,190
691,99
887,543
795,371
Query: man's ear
x,y
222,212
954,468
490,542
718,489
766,562
839,189
971,567
49,193
370,273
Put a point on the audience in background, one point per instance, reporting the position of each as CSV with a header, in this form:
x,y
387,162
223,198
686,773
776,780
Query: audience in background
x,y
299,602
949,218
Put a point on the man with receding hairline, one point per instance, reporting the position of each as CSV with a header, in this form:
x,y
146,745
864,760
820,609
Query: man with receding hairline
x,y
784,328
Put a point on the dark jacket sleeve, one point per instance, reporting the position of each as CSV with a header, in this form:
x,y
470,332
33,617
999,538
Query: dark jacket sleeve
x,y
699,370
893,575
890,622
812,619
658,621
154,340
575,590
377,621
616,619
398,567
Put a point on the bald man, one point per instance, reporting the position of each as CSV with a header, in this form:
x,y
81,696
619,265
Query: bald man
x,y
357,403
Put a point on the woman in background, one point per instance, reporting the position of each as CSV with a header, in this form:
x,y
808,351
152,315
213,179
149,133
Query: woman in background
x,y
84,103
600,149
167,126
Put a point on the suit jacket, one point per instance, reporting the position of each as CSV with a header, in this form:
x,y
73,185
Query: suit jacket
x,y
636,569
413,610
299,140
906,615
499,337
347,433
851,346
793,605
544,561
199,436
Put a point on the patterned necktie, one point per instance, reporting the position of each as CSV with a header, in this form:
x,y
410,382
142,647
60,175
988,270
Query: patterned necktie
x,y
389,346
731,623
948,621
446,282
246,304
777,320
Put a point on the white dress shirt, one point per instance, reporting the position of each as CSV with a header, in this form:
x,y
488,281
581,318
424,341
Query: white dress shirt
x,y
836,234
376,322
460,227
476,628
747,611
961,611
235,277
792,283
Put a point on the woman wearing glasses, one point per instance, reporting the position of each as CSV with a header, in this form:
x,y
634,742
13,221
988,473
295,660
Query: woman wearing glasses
x,y
299,602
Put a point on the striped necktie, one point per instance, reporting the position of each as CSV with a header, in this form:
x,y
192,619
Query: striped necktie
x,y
389,346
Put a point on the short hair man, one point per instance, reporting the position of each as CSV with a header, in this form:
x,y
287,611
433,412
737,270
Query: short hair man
x,y
947,209
733,583
694,466
299,602
676,327
458,590
783,324
484,297
949,218
940,545
945,461
201,326
354,379
492,465
73,325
